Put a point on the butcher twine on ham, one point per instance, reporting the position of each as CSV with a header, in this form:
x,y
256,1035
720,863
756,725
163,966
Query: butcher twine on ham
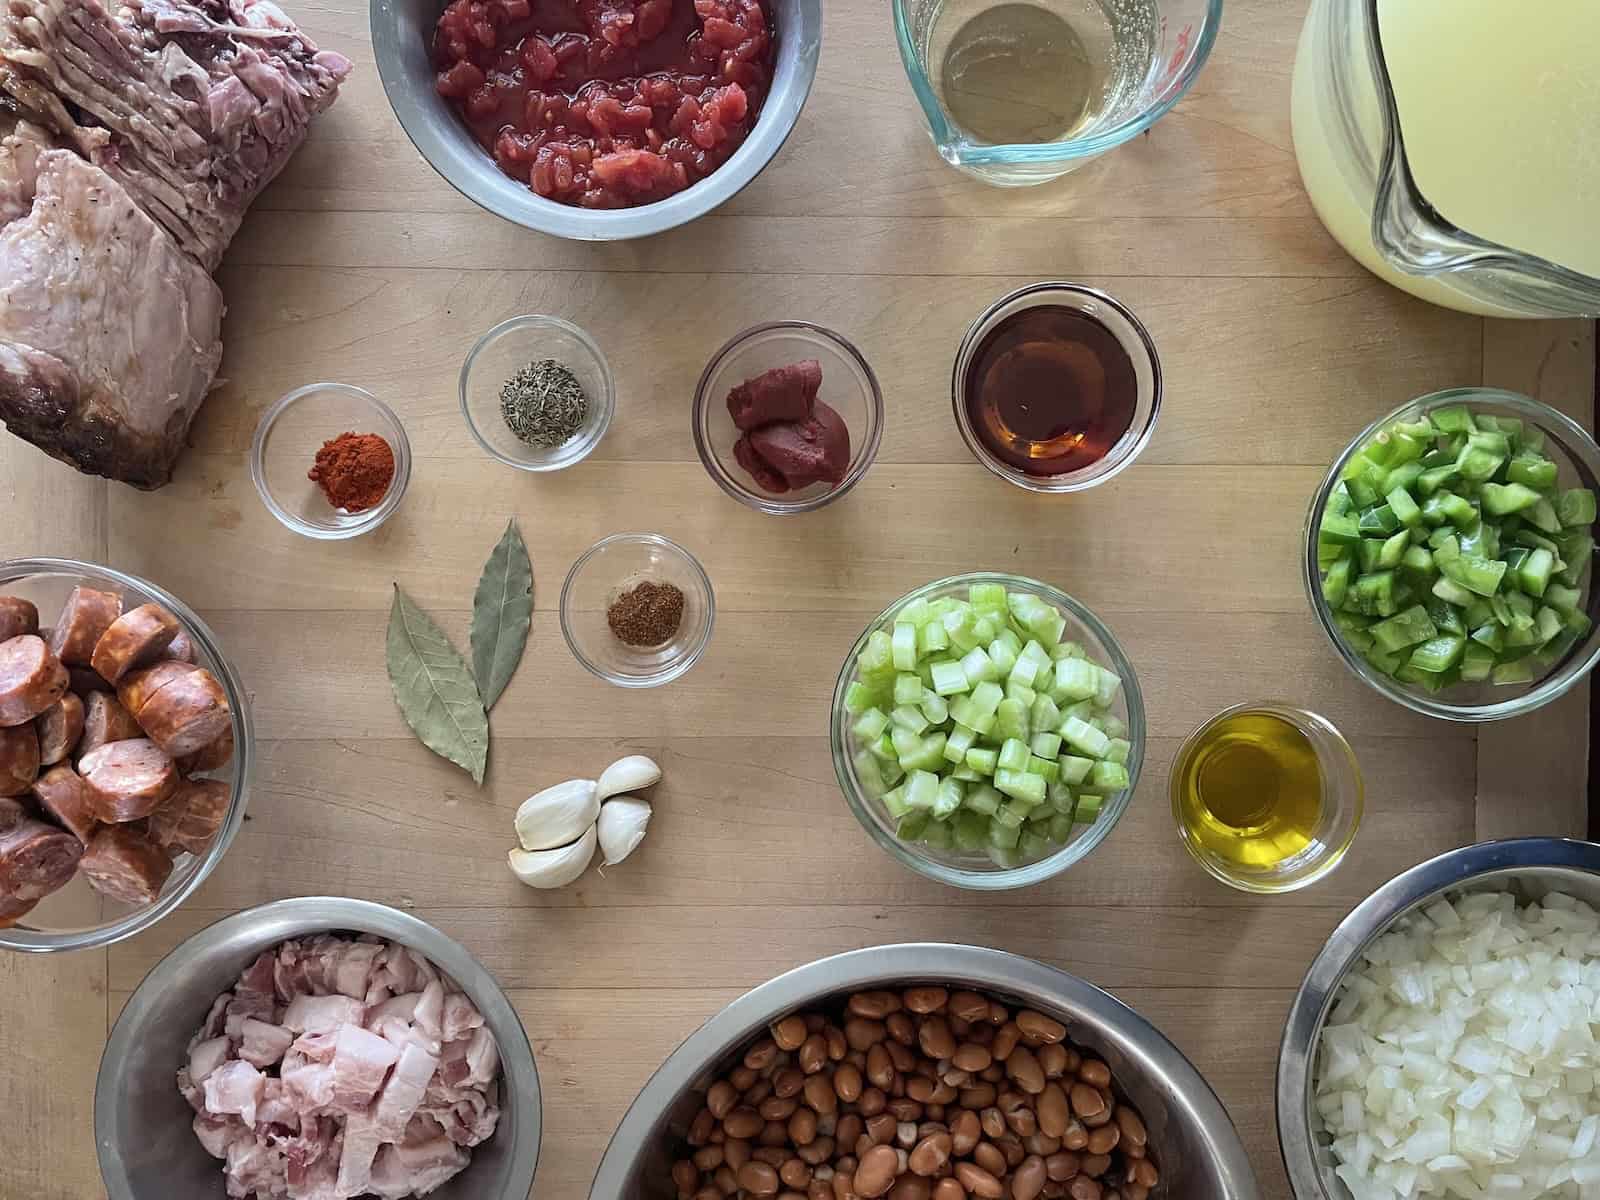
x,y
339,1067
142,134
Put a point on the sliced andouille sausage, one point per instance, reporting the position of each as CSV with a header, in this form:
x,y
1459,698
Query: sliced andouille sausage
x,y
211,757
187,714
35,858
182,647
13,910
127,780
138,686
84,617
105,720
60,727
19,759
31,679
190,818
123,863
138,636
17,617
65,799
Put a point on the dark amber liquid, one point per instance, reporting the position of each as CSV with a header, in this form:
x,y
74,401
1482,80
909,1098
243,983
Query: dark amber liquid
x,y
1050,390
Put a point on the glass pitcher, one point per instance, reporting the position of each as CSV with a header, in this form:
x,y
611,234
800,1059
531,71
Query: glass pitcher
x,y
1076,77
1350,111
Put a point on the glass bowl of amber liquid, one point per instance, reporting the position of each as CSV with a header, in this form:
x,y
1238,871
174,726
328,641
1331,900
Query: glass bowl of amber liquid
x,y
1056,387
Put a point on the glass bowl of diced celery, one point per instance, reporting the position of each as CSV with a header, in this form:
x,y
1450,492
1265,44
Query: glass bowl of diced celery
x,y
987,730
1447,554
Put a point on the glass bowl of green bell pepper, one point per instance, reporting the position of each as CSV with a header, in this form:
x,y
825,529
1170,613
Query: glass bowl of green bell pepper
x,y
987,730
1447,554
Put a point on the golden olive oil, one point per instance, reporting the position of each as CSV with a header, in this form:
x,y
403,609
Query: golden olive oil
x,y
1248,791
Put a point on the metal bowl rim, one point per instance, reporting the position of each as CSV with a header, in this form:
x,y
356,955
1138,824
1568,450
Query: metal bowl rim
x,y
280,920
1364,923
1149,1050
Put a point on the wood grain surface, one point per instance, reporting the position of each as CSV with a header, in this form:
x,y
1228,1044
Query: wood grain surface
x,y
361,265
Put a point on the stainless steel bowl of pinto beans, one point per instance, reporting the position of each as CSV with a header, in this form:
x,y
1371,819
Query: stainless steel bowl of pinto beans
x,y
926,1072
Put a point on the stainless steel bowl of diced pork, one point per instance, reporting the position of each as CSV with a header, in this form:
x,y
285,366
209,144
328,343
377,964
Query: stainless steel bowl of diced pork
x,y
318,1048
125,750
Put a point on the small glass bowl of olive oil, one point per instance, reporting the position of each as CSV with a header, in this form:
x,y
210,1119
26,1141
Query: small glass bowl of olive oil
x,y
1267,797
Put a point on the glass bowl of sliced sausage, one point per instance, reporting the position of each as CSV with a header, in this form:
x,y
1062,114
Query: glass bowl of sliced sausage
x,y
125,754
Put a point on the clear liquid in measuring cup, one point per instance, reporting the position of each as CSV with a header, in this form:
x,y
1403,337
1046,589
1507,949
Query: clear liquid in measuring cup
x,y
1020,73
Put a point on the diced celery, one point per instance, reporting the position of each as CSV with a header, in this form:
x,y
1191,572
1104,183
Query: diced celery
x,y
894,803
987,597
929,756
949,797
1576,507
1075,770
937,836
1080,735
1045,744
1002,655
983,760
1060,828
960,625
1040,814
858,697
868,774
1088,808
986,699
1014,755
986,628
978,667
905,646
970,830
921,789
1040,656
1020,785
1044,714
957,742
983,799
932,638
1107,688
884,749
1032,845
1112,725
1024,696
949,678
1045,768
1003,838
1011,720
1109,776
1051,631
1065,650
1077,678
908,688
966,774
869,726
906,717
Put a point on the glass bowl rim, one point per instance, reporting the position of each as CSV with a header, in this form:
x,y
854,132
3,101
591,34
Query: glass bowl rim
x,y
607,404
367,521
677,666
863,459
37,942
1003,878
1040,484
1552,687
1324,726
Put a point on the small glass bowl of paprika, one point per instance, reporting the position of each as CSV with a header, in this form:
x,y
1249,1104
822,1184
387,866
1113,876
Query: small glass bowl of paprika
x,y
330,461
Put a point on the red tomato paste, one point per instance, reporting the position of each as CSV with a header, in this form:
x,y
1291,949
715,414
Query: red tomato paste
x,y
606,103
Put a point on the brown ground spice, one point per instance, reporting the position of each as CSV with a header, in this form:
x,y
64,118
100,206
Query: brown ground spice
x,y
647,614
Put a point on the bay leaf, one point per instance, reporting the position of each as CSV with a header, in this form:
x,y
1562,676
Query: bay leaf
x,y
502,609
434,688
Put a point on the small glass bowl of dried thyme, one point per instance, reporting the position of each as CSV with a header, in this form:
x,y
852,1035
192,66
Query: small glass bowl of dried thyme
x,y
637,610
537,393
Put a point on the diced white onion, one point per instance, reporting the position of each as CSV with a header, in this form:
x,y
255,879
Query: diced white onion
x,y
1462,1057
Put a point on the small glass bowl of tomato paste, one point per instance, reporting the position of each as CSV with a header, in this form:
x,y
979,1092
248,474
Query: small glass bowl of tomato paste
x,y
780,357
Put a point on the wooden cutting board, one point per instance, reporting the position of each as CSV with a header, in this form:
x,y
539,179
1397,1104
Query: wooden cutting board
x,y
361,265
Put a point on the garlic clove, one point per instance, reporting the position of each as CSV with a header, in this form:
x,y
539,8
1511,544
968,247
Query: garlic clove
x,y
554,868
621,826
631,774
557,815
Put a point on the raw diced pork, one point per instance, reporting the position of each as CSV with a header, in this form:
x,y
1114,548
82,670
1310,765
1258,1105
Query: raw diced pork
x,y
366,1100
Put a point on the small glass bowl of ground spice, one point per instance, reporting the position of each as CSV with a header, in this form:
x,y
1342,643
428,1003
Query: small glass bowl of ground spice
x,y
637,610
330,461
537,393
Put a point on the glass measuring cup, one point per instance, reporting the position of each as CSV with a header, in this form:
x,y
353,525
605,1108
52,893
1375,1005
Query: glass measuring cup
x,y
1115,66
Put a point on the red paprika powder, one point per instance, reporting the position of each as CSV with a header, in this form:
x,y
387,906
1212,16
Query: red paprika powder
x,y
354,470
